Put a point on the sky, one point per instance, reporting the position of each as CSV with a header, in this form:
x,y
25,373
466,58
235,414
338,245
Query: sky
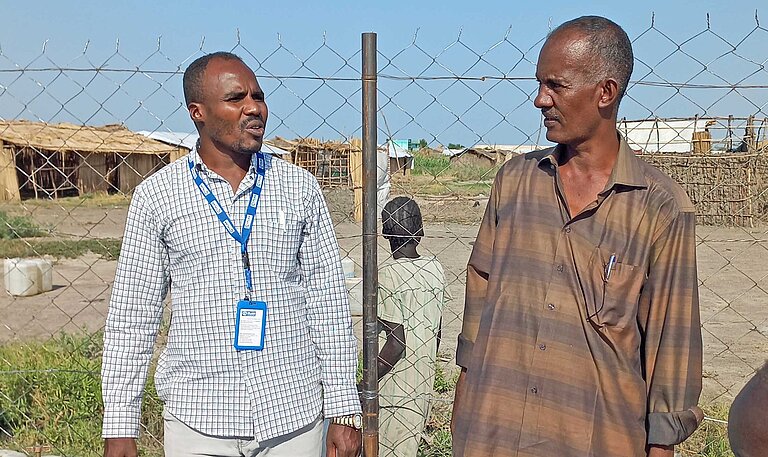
x,y
291,44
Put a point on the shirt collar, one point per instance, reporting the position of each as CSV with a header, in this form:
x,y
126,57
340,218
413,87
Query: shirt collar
x,y
194,154
627,171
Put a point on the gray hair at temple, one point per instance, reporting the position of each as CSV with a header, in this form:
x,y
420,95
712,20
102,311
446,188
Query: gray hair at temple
x,y
609,45
401,221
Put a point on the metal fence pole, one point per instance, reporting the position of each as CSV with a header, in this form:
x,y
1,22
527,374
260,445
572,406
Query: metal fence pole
x,y
370,261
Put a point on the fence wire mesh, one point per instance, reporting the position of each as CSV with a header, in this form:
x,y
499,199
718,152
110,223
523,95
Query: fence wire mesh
x,y
449,116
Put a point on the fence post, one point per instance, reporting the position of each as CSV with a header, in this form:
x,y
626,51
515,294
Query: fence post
x,y
370,262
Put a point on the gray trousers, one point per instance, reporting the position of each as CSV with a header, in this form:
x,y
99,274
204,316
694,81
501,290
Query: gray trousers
x,y
182,441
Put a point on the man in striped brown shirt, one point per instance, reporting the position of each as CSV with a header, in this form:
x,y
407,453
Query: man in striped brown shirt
x,y
581,332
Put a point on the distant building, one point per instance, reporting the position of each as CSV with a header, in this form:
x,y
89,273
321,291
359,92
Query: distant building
x,y
189,140
663,135
400,160
404,144
487,155
42,160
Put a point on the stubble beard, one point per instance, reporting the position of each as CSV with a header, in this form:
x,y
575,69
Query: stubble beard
x,y
241,144
242,148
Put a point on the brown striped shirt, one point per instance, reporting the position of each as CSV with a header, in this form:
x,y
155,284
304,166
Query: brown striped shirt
x,y
564,359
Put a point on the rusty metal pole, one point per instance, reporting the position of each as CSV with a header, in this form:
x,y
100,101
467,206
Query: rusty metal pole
x,y
370,395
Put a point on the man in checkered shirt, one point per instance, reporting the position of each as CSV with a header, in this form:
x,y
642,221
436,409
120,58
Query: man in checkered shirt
x,y
222,398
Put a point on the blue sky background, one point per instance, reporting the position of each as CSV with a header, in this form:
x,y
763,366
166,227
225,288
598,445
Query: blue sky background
x,y
440,111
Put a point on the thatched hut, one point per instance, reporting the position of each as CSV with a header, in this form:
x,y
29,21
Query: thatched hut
x,y
488,156
477,158
55,160
328,161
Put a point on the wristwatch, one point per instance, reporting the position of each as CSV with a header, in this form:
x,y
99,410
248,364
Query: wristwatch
x,y
351,420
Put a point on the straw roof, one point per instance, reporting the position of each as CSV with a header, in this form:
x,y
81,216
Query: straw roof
x,y
313,144
82,138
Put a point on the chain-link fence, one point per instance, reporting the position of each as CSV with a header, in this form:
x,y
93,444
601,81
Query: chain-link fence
x,y
448,117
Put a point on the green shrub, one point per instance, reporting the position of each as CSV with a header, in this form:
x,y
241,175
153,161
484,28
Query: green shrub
x,y
441,166
430,165
711,438
107,248
92,199
445,381
50,394
18,227
474,173
441,443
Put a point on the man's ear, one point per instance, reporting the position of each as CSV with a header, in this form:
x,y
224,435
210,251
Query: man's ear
x,y
196,112
608,93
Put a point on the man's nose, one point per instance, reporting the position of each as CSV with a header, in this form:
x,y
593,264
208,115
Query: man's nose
x,y
542,100
254,107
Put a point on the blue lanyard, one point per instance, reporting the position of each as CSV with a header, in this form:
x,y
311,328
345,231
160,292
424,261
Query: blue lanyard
x,y
250,213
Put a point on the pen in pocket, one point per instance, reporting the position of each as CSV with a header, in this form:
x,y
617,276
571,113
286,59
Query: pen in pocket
x,y
609,266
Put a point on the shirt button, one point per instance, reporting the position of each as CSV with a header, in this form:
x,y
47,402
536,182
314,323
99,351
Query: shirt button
x,y
560,268
543,347
534,390
568,229
551,306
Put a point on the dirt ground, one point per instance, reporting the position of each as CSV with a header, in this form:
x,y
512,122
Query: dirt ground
x,y
733,275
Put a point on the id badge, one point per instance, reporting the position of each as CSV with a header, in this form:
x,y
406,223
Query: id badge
x,y
250,325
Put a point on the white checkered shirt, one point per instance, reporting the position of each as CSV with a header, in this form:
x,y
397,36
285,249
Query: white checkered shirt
x,y
173,239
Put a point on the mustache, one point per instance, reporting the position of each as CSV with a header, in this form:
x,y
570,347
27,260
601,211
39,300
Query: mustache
x,y
252,121
550,114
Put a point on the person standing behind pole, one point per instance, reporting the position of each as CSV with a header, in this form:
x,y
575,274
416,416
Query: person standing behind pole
x,y
260,345
581,333
411,298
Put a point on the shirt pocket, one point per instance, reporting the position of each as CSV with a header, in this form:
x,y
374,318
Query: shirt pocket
x,y
615,294
281,242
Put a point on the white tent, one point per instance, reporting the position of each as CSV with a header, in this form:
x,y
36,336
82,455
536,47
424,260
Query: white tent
x,y
383,185
273,150
399,157
183,139
395,151
453,152
660,135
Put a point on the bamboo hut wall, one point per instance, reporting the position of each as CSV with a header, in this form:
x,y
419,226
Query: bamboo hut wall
x,y
9,182
306,159
93,172
356,169
46,174
728,190
135,168
333,168
179,153
328,162
401,165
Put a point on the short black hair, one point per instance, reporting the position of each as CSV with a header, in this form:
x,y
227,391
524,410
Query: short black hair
x,y
193,75
401,221
610,46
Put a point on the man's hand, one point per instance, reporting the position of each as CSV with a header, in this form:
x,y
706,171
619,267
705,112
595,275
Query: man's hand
x,y
120,447
343,441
